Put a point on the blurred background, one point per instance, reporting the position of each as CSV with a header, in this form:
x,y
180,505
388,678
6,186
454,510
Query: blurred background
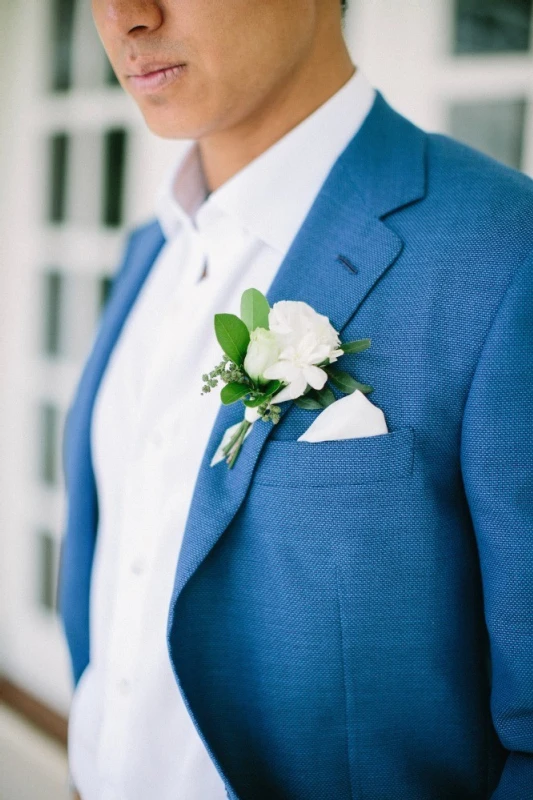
x,y
78,168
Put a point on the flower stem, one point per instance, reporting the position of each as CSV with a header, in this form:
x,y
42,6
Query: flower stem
x,y
232,441
236,443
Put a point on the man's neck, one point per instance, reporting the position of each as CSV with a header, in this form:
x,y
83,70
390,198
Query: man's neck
x,y
225,153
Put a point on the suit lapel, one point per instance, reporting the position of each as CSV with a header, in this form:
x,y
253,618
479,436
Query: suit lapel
x,y
77,546
340,252
140,255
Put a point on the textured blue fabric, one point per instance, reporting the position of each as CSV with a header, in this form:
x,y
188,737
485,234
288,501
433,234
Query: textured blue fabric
x,y
355,619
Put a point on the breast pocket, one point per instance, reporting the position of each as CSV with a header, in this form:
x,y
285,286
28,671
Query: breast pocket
x,y
386,457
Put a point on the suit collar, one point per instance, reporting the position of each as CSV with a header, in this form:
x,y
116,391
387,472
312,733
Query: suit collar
x,y
384,164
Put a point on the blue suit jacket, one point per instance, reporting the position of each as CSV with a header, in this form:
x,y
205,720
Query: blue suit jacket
x,y
354,619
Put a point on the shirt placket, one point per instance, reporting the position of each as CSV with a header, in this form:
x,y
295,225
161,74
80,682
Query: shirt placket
x,y
137,552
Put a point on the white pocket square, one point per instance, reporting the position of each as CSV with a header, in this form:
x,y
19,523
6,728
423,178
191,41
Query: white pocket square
x,y
348,418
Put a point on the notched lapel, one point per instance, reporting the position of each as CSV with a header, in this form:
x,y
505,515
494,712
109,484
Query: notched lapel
x,y
344,221
143,247
77,545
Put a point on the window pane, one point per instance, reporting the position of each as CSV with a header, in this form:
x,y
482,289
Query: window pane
x,y
46,578
62,13
115,141
48,437
53,286
84,186
492,26
71,310
89,59
495,127
82,311
58,163
105,289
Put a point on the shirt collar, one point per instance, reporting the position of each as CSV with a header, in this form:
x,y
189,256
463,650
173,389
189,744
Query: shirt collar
x,y
181,192
272,195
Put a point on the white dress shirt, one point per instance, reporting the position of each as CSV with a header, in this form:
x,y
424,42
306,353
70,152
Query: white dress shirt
x,y
130,736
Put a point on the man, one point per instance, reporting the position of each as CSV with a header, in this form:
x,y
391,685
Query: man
x,y
341,619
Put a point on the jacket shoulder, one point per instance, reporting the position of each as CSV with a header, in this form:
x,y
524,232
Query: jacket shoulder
x,y
472,171
484,200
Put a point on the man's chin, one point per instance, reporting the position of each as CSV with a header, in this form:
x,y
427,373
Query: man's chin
x,y
166,125
165,129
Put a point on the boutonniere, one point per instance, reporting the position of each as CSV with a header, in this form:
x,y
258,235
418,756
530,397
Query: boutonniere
x,y
272,355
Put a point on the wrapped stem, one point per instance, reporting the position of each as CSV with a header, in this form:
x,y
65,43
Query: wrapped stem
x,y
233,447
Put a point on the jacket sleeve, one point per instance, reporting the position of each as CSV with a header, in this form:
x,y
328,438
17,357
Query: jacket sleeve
x,y
497,466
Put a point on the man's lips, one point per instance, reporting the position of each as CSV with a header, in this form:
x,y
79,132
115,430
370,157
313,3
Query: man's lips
x,y
152,77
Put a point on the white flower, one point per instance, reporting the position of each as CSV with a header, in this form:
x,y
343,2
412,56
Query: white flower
x,y
292,319
263,351
306,339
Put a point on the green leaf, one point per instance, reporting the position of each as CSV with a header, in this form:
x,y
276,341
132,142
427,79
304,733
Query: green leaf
x,y
342,380
356,347
233,392
254,310
364,387
271,388
345,383
308,403
233,336
324,396
255,401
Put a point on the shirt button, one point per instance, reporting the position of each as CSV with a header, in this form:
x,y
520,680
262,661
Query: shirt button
x,y
138,566
124,686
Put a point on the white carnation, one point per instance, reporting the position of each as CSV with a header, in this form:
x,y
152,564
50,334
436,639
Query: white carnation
x,y
306,339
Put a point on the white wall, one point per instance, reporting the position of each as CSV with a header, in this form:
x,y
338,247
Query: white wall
x,y
405,48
